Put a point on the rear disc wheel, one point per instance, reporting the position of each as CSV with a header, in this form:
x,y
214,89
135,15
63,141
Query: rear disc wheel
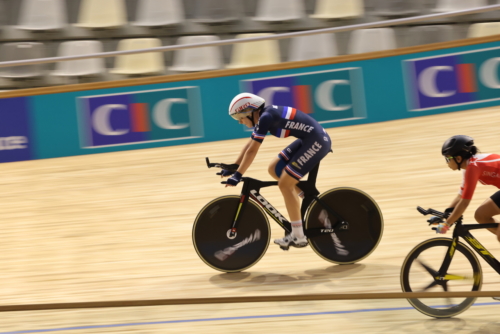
x,y
365,225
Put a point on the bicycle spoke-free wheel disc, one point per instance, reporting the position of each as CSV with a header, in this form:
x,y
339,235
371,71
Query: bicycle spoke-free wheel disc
x,y
365,225
420,269
211,237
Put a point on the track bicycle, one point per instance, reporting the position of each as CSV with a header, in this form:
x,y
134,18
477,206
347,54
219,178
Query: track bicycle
x,y
231,233
446,264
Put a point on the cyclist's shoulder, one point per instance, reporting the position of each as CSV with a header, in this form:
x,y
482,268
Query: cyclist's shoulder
x,y
272,109
481,159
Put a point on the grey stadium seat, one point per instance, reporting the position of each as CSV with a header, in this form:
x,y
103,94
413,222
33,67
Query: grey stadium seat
x,y
39,15
370,40
197,59
279,10
429,34
82,67
312,47
22,51
157,13
397,8
216,11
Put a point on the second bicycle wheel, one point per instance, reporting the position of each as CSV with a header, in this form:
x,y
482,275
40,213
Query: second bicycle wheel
x,y
211,238
365,225
420,274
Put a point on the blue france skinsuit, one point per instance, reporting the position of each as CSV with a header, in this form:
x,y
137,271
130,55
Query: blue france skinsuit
x,y
312,145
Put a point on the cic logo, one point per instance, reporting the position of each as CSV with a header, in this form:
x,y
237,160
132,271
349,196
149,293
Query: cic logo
x,y
452,80
140,117
329,96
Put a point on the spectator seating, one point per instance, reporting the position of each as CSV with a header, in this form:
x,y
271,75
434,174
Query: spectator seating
x,y
279,10
397,8
429,34
101,14
338,9
197,59
22,51
217,17
256,53
369,40
82,67
157,13
454,5
483,29
312,47
3,13
39,15
149,63
216,11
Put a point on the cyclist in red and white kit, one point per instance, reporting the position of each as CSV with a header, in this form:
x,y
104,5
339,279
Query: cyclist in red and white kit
x,y
461,154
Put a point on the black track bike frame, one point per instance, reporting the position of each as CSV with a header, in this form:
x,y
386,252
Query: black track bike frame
x,y
463,231
251,188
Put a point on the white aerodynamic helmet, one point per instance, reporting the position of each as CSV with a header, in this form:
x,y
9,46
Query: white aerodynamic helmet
x,y
243,104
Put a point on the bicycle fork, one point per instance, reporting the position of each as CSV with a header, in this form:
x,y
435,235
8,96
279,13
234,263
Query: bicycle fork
x,y
442,276
251,188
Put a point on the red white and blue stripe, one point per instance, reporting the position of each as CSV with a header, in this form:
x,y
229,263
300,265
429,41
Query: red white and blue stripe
x,y
293,173
284,155
255,135
288,113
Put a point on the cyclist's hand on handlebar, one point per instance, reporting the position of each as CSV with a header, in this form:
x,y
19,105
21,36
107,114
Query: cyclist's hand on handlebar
x,y
225,173
234,180
435,220
442,228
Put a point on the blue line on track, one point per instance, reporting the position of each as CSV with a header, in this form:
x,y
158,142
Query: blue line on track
x,y
221,319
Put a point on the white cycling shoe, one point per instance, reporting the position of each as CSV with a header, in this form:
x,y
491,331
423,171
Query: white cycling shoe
x,y
291,240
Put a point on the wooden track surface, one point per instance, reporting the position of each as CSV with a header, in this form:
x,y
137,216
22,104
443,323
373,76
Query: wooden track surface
x,y
117,226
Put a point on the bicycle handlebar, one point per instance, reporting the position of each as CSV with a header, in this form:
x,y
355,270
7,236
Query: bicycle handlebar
x,y
435,213
229,167
431,212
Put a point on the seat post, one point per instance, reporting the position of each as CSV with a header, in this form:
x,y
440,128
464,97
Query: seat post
x,y
313,174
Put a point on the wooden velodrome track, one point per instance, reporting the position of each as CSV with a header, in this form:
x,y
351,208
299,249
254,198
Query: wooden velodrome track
x,y
117,226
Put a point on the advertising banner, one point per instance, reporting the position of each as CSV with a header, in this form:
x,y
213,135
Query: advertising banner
x,y
194,111
16,140
453,79
331,96
140,117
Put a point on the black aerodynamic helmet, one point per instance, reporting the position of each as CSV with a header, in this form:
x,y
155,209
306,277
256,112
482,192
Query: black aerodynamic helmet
x,y
457,146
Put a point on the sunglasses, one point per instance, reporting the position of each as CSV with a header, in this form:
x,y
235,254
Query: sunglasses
x,y
448,159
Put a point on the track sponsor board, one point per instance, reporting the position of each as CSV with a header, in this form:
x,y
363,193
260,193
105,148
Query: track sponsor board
x,y
140,117
16,140
329,96
464,78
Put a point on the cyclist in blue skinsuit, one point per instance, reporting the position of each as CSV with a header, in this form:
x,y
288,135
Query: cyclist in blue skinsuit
x,y
297,159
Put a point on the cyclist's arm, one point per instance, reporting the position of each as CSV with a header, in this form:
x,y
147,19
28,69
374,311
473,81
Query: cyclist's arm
x,y
455,201
471,176
459,210
249,155
243,151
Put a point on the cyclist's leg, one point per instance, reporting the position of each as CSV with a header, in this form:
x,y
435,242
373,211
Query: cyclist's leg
x,y
287,185
277,165
304,160
485,212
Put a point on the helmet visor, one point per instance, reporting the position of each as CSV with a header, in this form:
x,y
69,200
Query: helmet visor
x,y
242,114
